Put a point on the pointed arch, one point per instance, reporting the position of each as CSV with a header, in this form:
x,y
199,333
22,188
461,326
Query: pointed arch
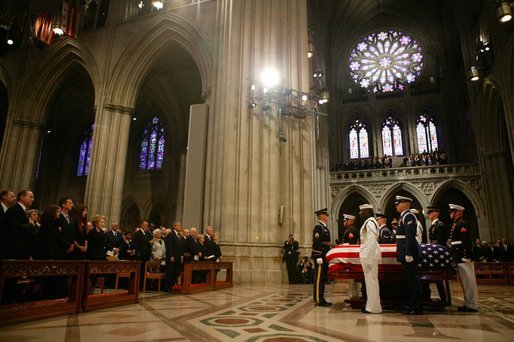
x,y
33,100
408,187
473,196
164,30
352,189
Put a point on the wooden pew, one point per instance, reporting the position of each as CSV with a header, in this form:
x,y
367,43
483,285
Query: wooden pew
x,y
207,270
16,274
492,273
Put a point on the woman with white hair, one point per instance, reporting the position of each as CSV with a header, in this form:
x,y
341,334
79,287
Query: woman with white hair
x,y
158,246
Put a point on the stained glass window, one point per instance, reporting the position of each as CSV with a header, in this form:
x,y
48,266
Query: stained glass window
x,y
392,136
85,151
385,61
152,146
358,136
426,132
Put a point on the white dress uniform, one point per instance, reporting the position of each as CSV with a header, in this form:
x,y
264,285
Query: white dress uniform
x,y
370,258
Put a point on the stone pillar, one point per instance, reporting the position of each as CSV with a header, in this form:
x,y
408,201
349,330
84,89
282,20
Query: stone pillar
x,y
19,155
104,186
250,174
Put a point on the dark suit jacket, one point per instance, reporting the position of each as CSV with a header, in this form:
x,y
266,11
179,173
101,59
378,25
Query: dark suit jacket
x,y
52,244
16,234
112,241
192,247
141,245
174,247
209,249
68,229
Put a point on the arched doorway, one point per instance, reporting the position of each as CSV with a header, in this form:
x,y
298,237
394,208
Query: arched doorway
x,y
70,114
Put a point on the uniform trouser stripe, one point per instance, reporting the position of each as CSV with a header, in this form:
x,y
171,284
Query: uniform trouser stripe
x,y
317,283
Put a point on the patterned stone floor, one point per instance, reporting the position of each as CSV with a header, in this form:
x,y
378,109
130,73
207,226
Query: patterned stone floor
x,y
272,313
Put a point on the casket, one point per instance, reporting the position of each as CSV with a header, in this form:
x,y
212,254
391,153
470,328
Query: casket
x,y
435,265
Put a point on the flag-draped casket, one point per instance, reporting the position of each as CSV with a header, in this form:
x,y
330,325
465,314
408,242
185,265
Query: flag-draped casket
x,y
347,257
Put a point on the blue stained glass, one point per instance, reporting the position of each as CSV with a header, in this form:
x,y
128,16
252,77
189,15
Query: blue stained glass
x,y
85,152
152,146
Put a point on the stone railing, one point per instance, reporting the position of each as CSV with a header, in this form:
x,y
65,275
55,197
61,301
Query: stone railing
x,y
400,173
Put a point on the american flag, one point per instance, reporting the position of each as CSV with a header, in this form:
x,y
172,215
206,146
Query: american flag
x,y
43,28
347,256
70,20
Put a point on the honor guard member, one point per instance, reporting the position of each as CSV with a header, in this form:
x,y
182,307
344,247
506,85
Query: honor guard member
x,y
419,226
462,250
408,252
320,248
437,232
370,256
351,235
385,234
437,235
394,228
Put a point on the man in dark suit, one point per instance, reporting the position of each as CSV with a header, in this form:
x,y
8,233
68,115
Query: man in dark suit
x,y
17,228
174,255
66,222
193,247
7,199
408,252
113,239
141,242
208,247
290,257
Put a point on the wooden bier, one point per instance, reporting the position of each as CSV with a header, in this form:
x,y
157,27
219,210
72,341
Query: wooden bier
x,y
95,269
200,276
393,290
36,274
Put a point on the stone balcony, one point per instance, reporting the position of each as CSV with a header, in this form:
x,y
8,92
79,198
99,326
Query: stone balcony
x,y
427,179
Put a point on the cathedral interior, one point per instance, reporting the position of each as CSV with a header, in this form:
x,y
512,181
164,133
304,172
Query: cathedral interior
x,y
160,114
249,116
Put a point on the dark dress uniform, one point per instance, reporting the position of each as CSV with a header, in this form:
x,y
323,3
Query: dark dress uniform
x,y
406,244
385,235
351,236
320,248
462,250
437,233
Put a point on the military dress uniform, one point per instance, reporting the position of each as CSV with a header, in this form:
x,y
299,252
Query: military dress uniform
x,y
320,248
437,235
351,236
462,250
406,244
385,234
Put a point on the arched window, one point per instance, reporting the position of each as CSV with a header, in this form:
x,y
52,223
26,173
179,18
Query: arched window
x,y
85,151
392,136
359,146
426,133
385,61
152,146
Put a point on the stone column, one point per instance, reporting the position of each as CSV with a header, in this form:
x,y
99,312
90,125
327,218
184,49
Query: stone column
x,y
249,172
104,186
19,155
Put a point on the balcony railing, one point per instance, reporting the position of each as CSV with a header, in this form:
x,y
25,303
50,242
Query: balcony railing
x,y
435,171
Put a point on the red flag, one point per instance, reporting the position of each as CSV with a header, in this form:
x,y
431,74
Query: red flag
x,y
70,20
43,28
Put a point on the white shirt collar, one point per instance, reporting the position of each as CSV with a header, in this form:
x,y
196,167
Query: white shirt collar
x,y
434,221
4,206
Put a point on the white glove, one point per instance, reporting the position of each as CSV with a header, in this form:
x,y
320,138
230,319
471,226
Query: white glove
x,y
409,258
319,261
466,260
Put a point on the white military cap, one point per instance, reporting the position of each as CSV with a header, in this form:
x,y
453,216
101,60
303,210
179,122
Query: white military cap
x,y
365,206
456,207
402,199
348,217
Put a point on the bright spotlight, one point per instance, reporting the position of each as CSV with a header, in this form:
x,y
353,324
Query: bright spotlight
x,y
270,78
10,41
158,5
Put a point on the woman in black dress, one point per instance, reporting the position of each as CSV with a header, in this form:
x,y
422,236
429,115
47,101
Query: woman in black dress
x,y
52,244
80,218
95,239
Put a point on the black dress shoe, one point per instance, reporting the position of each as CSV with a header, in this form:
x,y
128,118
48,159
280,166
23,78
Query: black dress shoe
x,y
412,312
466,309
365,311
324,304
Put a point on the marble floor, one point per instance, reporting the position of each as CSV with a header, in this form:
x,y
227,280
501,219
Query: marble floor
x,y
272,313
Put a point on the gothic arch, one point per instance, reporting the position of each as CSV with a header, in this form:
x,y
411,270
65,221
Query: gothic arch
x,y
34,97
466,189
163,30
411,188
341,197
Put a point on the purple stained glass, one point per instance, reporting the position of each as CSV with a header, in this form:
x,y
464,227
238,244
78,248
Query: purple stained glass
x,y
384,61
392,145
152,146
85,152
358,137
426,132
387,144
